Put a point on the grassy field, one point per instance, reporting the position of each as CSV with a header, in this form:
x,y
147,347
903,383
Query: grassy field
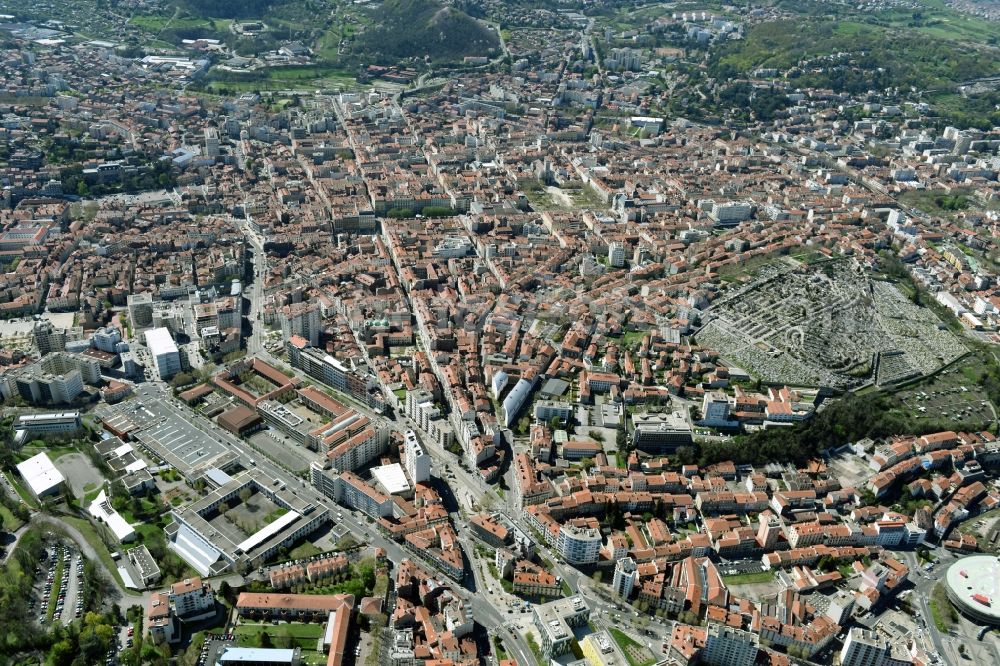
x,y
310,77
930,201
635,652
8,520
951,399
944,613
285,635
749,578
303,550
90,534
15,481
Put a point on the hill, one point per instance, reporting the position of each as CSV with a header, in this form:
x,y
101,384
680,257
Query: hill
x,y
424,28
854,57
228,8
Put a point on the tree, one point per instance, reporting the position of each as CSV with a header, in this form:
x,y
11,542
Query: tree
x,y
81,189
245,495
265,639
223,508
597,576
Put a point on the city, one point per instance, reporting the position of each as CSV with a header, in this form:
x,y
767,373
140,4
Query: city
x,y
409,332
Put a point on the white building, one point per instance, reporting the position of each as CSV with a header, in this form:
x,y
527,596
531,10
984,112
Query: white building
x,y
725,646
301,319
616,254
626,576
192,599
41,475
107,339
418,463
211,142
715,410
579,545
104,513
58,422
545,410
864,648
164,352
391,480
515,400
730,213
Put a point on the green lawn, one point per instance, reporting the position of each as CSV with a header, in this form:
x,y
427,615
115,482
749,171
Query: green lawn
x,y
628,645
942,610
632,339
749,578
21,490
303,550
285,635
89,533
8,520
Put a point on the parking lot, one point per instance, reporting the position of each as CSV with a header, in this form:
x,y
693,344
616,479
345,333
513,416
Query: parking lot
x,y
282,449
80,473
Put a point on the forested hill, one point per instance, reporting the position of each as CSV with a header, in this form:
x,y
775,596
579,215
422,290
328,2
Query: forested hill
x,y
425,28
229,8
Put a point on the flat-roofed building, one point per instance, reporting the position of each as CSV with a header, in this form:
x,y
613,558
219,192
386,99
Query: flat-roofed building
x,y
163,351
555,621
418,463
579,543
210,552
661,432
141,566
240,656
599,649
41,475
391,480
727,646
56,422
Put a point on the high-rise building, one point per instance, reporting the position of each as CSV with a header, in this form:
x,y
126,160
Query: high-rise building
x,y
726,646
107,339
616,254
140,311
302,319
626,576
768,530
164,352
50,338
418,463
579,543
211,142
864,648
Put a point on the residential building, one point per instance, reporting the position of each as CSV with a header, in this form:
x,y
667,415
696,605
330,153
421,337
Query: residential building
x,y
417,462
727,646
163,351
192,599
555,621
625,579
864,647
